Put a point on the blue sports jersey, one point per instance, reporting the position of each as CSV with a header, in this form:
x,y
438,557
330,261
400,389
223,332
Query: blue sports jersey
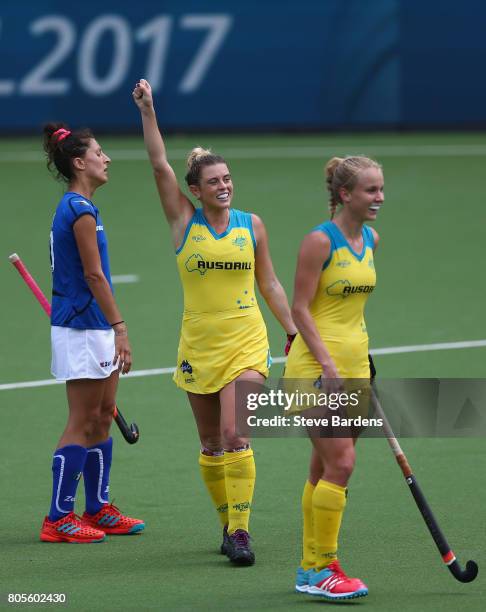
x,y
73,304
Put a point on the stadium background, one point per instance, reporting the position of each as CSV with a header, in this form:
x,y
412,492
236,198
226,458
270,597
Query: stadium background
x,y
277,87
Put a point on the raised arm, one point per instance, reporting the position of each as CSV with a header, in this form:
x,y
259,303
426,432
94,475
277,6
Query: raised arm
x,y
177,207
267,281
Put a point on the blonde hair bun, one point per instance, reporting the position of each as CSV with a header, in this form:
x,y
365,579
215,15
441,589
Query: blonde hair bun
x,y
196,154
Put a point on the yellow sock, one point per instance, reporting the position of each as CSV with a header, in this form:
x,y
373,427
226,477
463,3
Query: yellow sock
x,y
328,502
212,472
239,471
308,543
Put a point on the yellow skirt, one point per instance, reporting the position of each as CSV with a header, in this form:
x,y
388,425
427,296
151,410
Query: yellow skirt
x,y
302,372
349,354
215,348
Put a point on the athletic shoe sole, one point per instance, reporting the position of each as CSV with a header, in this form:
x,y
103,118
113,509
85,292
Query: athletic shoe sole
x,y
318,593
68,540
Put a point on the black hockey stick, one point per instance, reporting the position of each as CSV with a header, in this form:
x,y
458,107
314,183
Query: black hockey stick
x,y
129,432
463,575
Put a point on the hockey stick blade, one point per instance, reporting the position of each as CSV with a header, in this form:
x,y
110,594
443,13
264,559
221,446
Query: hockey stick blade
x,y
129,432
466,575
449,558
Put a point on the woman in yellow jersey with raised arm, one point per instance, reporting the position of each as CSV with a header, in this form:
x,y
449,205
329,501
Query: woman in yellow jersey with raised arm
x,y
220,252
335,275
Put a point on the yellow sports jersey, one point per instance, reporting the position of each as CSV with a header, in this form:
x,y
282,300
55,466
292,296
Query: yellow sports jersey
x,y
346,281
223,333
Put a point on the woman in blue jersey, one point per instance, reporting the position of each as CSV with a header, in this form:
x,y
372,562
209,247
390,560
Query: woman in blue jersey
x,y
90,344
220,252
335,275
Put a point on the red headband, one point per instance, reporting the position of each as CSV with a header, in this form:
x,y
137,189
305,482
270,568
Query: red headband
x,y
62,134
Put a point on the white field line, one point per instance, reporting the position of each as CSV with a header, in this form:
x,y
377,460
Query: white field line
x,y
391,350
120,279
288,152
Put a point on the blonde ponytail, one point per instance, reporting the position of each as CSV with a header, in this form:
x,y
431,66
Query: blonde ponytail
x,y
329,172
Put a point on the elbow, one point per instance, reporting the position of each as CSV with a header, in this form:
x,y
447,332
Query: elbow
x,y
94,276
298,314
160,168
269,289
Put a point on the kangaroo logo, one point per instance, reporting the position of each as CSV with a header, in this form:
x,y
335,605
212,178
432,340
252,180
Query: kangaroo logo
x,y
338,287
192,264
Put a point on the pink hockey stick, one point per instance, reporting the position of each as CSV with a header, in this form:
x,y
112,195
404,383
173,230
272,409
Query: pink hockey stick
x,y
30,282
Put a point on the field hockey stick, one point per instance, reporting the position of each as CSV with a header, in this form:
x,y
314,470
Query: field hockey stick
x,y
130,433
463,575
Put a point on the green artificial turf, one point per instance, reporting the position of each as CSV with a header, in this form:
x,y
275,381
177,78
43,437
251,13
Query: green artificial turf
x,y
430,289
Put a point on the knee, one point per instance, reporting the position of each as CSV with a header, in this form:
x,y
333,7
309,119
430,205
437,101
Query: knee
x,y
341,468
90,423
97,423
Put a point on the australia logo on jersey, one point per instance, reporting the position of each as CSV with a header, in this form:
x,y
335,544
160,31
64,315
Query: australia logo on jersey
x,y
343,264
192,264
240,241
338,288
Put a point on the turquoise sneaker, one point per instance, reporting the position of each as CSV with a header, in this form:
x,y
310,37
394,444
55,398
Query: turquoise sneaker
x,y
302,579
332,583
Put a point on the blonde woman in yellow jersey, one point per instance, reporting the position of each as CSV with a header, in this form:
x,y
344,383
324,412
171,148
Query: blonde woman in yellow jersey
x,y
220,252
335,275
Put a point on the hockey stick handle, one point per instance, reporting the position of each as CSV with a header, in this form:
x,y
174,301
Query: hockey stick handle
x,y
448,557
30,282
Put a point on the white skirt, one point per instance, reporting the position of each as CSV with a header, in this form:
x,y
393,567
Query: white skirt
x,y
82,353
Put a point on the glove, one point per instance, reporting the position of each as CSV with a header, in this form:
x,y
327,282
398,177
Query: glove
x,y
372,368
290,339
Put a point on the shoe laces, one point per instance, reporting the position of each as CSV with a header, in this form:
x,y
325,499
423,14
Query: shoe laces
x,y
110,507
241,538
337,569
72,517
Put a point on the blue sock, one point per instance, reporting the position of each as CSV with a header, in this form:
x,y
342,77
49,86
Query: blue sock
x,y
67,467
97,475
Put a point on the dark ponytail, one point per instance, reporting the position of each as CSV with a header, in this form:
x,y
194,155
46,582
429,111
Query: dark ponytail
x,y
61,146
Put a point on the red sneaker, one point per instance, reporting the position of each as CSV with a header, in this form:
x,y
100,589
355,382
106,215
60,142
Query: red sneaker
x,y
332,583
70,528
113,522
